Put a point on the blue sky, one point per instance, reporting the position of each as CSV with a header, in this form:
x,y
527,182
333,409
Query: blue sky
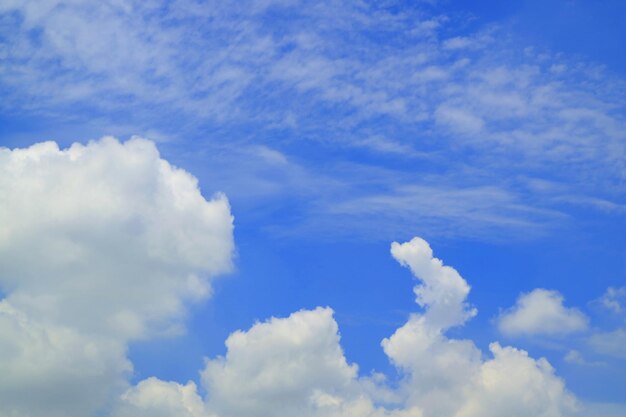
x,y
494,131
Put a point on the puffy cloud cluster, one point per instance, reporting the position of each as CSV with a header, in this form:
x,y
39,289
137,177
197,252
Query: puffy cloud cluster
x,y
284,367
295,366
100,244
541,312
448,377
104,243
295,362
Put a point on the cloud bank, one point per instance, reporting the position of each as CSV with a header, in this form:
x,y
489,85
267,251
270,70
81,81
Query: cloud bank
x,y
296,366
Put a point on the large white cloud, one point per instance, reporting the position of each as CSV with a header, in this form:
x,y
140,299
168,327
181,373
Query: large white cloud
x,y
296,362
295,366
100,244
541,312
106,237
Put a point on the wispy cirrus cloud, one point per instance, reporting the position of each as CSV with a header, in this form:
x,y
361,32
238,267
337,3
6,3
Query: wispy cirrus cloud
x,y
396,82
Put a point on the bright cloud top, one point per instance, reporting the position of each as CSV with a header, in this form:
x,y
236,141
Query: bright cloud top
x,y
442,292
541,312
107,236
100,244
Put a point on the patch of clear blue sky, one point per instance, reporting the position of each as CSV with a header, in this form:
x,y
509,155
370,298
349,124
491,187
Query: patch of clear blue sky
x,y
323,171
592,29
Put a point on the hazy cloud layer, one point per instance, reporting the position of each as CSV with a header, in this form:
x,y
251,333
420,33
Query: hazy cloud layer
x,y
609,343
480,109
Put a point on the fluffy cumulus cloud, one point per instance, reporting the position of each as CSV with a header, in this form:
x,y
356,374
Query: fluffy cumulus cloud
x,y
282,367
512,383
541,312
442,291
100,244
295,366
295,362
107,237
448,377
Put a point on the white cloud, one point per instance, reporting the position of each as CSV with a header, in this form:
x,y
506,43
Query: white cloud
x,y
441,209
107,237
512,383
438,370
602,409
295,365
155,398
116,52
447,377
614,299
459,120
100,244
575,357
442,292
457,43
609,343
541,312
295,362
281,367
55,371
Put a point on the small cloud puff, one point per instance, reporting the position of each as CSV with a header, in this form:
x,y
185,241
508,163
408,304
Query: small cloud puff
x,y
541,312
609,343
614,300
